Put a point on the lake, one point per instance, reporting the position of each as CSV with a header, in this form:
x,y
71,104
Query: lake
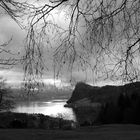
x,y
54,108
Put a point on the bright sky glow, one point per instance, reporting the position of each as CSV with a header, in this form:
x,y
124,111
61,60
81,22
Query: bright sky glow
x,y
15,79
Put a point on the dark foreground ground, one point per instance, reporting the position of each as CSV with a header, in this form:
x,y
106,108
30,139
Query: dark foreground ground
x,y
104,132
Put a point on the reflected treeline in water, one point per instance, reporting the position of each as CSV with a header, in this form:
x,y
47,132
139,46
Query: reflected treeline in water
x,y
126,110
86,116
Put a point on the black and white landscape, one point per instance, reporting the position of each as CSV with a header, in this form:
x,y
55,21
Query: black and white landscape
x,y
69,69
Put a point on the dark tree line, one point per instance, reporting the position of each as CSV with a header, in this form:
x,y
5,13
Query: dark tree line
x,y
126,110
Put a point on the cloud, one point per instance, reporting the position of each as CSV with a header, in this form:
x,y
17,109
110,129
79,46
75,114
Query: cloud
x,y
8,29
11,76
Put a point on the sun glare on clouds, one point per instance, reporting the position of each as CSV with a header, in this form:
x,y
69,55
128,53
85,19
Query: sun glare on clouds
x,y
57,82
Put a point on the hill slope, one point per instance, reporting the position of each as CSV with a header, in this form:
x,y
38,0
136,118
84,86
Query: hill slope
x,y
102,94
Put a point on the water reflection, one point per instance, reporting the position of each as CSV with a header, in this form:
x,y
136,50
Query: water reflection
x,y
51,108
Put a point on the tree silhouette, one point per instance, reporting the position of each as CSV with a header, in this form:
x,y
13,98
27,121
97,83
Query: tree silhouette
x,y
16,10
102,35
107,31
6,101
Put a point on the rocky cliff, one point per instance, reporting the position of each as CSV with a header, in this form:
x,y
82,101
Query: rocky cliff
x,y
81,91
85,92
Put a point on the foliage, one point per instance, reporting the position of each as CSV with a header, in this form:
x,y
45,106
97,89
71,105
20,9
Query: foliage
x,y
6,99
30,121
86,116
125,111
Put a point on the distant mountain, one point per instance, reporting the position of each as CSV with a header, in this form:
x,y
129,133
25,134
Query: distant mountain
x,y
84,93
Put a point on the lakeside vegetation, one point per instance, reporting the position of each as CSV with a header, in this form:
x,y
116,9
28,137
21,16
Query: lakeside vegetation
x,y
33,121
10,97
123,110
118,104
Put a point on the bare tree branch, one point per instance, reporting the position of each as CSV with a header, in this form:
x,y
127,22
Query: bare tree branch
x,y
101,35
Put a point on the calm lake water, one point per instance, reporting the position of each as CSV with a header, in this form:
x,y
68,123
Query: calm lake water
x,y
53,108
